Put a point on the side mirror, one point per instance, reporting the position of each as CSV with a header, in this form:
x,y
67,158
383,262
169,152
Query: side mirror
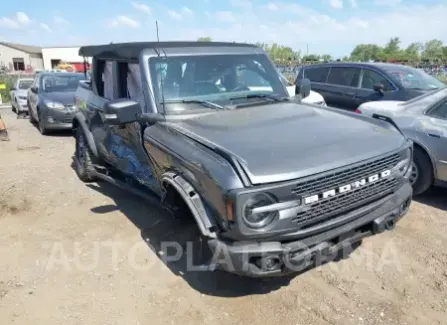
x,y
379,88
34,90
302,87
121,111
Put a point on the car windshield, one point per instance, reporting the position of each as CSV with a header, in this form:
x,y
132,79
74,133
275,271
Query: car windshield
x,y
25,84
184,84
412,78
56,83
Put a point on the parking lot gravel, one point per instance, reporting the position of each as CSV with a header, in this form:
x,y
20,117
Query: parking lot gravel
x,y
75,253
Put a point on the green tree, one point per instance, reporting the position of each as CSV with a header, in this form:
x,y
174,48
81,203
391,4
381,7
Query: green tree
x,y
392,48
326,57
311,57
280,53
413,51
368,52
205,39
433,50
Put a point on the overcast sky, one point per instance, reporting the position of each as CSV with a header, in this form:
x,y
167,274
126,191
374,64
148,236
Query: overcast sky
x,y
325,26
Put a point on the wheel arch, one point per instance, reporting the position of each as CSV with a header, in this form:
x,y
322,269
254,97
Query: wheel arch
x,y
80,121
173,182
424,150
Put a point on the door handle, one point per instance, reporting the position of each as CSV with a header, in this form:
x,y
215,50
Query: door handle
x,y
434,135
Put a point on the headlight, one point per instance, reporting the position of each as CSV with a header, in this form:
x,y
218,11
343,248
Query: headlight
x,y
404,164
52,104
254,216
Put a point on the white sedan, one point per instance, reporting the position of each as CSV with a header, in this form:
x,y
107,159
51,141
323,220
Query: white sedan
x,y
313,98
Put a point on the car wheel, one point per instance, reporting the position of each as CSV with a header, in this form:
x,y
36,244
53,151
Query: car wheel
x,y
84,158
41,124
421,177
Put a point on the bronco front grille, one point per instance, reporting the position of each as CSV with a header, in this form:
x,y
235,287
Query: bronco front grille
x,y
333,206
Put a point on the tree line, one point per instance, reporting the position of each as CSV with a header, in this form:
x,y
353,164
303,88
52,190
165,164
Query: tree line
x,y
433,51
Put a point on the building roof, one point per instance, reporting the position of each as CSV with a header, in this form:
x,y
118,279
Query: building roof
x,y
133,50
24,48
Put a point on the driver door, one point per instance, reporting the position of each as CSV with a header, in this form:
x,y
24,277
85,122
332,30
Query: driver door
x,y
124,143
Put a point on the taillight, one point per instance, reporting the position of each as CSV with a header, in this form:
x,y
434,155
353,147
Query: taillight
x,y
358,111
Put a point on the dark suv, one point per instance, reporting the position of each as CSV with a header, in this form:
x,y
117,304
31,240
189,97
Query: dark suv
x,y
272,184
348,85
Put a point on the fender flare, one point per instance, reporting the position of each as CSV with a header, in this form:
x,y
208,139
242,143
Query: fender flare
x,y
192,200
80,120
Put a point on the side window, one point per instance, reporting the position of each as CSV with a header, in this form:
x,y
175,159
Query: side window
x,y
440,111
318,74
108,81
344,76
98,77
372,78
134,87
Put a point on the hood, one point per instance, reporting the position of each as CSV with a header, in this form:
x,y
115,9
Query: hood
x,y
381,107
286,140
63,97
21,92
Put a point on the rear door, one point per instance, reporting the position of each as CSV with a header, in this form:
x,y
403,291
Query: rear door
x,y
342,86
368,79
317,75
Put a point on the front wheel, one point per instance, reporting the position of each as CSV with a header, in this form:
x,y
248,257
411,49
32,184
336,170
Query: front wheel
x,y
421,177
84,158
41,124
32,120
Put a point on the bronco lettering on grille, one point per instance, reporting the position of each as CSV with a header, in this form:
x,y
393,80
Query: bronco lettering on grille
x,y
346,188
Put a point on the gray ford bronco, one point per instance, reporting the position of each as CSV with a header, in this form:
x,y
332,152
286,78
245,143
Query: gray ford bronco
x,y
208,130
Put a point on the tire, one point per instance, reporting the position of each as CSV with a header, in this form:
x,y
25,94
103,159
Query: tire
x,y
422,173
84,158
41,125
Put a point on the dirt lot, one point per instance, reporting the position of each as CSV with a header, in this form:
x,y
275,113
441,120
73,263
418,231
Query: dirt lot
x,y
86,254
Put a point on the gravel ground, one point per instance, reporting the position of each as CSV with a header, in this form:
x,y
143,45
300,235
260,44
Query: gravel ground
x,y
73,253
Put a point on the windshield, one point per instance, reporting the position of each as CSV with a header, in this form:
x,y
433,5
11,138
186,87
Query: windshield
x,y
56,83
219,79
412,78
25,84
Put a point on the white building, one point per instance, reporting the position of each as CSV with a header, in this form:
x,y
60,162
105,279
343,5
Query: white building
x,y
18,57
52,56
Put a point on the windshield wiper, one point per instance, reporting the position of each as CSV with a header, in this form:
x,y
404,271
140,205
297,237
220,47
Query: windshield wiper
x,y
204,103
276,98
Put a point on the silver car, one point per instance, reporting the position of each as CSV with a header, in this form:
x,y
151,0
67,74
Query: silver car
x,y
18,95
422,119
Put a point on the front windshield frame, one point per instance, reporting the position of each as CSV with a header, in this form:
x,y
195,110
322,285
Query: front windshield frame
x,y
422,81
27,83
78,76
221,99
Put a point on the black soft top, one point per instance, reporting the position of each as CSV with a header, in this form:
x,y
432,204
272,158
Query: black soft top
x,y
133,50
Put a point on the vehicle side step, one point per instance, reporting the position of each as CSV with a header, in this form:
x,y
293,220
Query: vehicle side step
x,y
127,187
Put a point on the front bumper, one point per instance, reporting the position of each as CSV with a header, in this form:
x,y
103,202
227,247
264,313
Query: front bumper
x,y
56,119
273,258
21,107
